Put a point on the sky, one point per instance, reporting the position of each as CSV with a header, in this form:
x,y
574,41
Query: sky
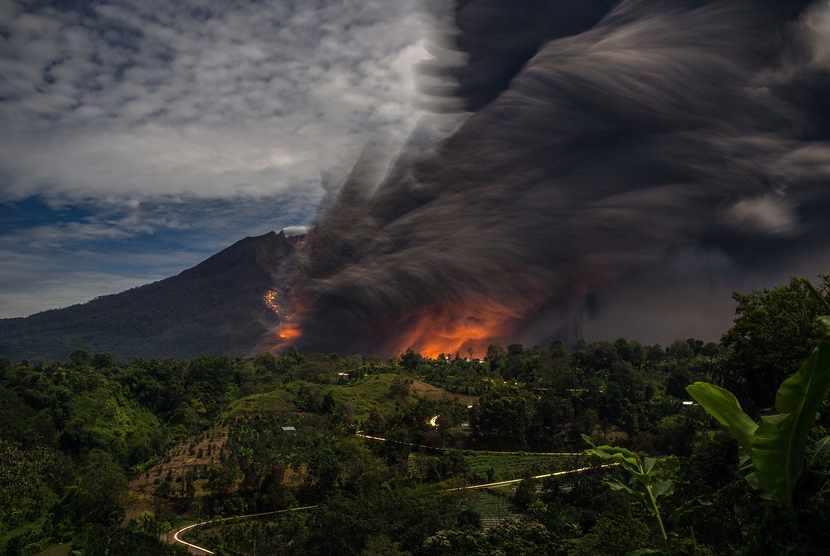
x,y
620,169
141,137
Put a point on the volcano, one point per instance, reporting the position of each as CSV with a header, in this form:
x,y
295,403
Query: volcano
x,y
606,160
218,307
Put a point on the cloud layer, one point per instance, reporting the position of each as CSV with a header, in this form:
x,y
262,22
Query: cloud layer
x,y
145,115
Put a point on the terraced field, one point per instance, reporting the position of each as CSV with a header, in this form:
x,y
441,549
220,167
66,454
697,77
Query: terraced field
x,y
493,466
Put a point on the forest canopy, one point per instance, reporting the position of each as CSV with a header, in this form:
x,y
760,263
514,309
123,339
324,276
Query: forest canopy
x,y
106,454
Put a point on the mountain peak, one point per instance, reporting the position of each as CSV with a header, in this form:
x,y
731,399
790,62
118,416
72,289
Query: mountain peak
x,y
257,250
214,308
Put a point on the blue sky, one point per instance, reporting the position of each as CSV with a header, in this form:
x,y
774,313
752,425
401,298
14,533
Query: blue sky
x,y
141,137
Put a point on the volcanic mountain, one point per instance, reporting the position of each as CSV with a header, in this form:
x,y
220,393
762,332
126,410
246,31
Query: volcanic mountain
x,y
218,307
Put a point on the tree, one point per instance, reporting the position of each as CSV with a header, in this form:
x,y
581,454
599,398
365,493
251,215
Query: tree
x,y
597,357
774,332
453,543
495,353
773,450
680,349
267,362
679,378
99,495
347,524
515,350
624,349
696,345
633,352
710,349
525,493
222,478
524,537
500,418
380,545
308,398
410,360
328,404
630,380
104,360
399,387
80,357
291,357
654,354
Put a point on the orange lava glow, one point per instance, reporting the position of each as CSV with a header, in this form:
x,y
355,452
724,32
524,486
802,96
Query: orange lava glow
x,y
451,329
442,328
285,307
270,301
288,331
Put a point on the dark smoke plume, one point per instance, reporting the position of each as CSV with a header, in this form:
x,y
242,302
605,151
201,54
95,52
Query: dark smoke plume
x,y
609,142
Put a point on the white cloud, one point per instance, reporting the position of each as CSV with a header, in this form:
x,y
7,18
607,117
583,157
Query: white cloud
x,y
159,127
144,99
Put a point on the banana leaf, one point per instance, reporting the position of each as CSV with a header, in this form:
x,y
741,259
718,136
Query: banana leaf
x,y
684,511
637,496
809,484
822,446
663,488
780,440
723,406
629,460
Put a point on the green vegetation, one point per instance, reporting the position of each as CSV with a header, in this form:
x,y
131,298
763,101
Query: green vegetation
x,y
644,471
107,454
773,451
494,467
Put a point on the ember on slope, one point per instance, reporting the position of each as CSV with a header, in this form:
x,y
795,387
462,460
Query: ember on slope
x,y
606,141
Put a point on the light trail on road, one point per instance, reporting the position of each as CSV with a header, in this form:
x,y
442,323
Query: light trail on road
x,y
514,481
195,549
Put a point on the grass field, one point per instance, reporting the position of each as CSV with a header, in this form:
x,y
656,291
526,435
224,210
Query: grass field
x,y
370,393
275,400
435,393
367,394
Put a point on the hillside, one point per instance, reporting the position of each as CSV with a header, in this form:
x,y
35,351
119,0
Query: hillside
x,y
413,456
213,308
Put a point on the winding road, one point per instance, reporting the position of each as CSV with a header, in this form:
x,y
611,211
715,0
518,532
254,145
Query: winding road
x,y
174,535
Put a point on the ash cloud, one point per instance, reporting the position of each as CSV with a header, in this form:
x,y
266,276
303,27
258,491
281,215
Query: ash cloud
x,y
605,143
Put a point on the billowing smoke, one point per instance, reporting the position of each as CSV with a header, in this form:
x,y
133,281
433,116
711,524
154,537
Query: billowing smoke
x,y
607,140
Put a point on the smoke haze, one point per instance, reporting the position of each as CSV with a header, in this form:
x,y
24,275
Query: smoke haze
x,y
623,160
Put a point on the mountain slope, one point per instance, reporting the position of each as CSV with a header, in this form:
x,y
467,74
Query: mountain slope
x,y
216,307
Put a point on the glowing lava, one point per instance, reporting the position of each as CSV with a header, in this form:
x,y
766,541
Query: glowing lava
x,y
288,331
284,335
270,301
450,329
